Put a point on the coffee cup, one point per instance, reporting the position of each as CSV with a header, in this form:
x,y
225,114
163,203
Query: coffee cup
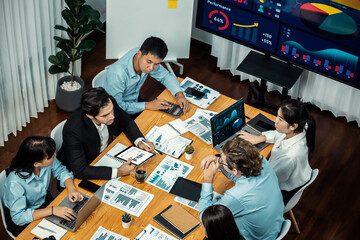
x,y
140,174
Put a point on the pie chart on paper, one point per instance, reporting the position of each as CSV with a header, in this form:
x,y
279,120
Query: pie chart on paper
x,y
328,21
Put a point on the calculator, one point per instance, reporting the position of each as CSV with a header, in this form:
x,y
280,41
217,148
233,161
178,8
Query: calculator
x,y
174,110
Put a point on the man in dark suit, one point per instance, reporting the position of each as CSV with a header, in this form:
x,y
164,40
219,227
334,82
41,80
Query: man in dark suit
x,y
90,129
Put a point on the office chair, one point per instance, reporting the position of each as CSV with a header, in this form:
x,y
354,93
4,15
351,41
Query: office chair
x,y
295,199
56,134
2,191
99,79
284,229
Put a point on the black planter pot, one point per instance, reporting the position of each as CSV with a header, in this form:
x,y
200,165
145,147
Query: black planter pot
x,y
66,100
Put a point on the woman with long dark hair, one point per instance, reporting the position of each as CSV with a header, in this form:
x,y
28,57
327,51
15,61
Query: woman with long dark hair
x,y
293,137
27,182
219,223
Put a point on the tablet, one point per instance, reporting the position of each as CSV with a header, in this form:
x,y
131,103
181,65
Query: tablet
x,y
138,155
186,188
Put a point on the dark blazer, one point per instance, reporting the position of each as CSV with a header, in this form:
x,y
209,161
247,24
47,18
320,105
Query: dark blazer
x,y
81,142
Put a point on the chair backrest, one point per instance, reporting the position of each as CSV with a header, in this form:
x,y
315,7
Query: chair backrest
x,y
99,79
2,191
56,134
284,229
295,199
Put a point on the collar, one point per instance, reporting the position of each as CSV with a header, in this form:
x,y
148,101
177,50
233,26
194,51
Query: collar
x,y
291,141
33,176
130,65
99,128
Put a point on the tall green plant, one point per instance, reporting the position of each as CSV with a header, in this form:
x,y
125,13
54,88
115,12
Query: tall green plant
x,y
81,19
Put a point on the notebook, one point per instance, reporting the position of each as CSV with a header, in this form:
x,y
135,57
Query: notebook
x,y
227,123
83,209
180,218
163,222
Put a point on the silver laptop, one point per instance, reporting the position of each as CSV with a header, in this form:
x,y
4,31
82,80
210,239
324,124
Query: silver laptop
x,y
83,210
227,123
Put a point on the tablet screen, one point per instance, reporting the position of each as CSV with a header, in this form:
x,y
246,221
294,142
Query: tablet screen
x,y
139,156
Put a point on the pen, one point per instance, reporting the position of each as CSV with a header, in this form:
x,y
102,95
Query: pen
x,y
140,235
149,146
47,229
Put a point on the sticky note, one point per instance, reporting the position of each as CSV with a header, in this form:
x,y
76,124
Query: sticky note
x,y
172,3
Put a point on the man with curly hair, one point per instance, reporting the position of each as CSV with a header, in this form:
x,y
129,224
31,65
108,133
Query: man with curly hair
x,y
255,201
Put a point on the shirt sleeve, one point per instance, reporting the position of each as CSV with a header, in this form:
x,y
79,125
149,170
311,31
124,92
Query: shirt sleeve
x,y
60,172
206,196
167,79
117,88
271,136
16,203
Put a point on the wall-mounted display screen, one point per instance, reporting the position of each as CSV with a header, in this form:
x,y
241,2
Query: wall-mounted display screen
x,y
322,36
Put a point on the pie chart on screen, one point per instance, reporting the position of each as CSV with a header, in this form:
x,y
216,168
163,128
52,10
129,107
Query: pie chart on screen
x,y
328,21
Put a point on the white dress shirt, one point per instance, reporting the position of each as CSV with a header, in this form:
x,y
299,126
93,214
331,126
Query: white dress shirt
x,y
289,159
104,138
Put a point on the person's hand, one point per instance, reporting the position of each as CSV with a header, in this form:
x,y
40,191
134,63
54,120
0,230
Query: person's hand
x,y
126,168
142,145
251,138
210,172
75,196
207,161
64,212
183,103
157,104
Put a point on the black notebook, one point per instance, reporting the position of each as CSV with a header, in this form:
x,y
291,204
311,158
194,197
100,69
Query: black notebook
x,y
262,123
186,188
163,222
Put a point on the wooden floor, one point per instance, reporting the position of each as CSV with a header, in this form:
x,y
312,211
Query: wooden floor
x,y
328,209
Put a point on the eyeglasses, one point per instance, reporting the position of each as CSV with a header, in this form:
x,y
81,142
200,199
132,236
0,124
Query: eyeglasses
x,y
219,157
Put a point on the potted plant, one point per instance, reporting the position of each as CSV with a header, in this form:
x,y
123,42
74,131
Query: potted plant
x,y
189,152
80,19
126,220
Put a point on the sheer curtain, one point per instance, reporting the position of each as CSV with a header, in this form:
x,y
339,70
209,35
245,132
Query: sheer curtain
x,y
26,41
326,93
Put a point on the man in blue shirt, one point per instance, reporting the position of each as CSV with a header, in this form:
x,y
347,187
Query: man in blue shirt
x,y
125,77
255,201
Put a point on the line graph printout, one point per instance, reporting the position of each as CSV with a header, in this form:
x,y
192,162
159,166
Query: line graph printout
x,y
104,234
199,124
166,173
153,233
126,197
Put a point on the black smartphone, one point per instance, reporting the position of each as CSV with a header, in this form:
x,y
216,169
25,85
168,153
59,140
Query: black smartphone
x,y
90,186
194,92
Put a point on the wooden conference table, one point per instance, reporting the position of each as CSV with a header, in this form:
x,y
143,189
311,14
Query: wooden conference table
x,y
110,217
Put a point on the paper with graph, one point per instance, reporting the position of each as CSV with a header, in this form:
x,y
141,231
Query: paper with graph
x,y
165,174
126,197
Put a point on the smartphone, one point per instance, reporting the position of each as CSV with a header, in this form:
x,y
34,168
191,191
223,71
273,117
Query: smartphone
x,y
87,185
194,92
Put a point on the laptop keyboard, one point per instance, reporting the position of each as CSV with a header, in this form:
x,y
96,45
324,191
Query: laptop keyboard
x,y
174,110
76,208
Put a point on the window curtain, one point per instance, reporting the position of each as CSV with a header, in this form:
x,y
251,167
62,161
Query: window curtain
x,y
26,41
326,93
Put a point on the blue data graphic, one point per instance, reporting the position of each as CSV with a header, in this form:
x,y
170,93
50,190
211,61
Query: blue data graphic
x,y
228,122
239,24
332,58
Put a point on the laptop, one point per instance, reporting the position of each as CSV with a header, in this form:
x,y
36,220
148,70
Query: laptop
x,y
83,210
227,123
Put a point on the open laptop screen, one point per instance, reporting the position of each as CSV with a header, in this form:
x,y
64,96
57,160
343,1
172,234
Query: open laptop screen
x,y
228,122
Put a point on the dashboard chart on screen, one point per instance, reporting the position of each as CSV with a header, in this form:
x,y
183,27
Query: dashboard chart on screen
x,y
322,36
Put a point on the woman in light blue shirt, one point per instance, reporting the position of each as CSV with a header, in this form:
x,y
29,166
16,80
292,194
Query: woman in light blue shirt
x,y
27,182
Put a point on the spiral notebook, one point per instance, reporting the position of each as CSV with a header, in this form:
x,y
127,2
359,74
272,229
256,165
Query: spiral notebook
x,y
109,159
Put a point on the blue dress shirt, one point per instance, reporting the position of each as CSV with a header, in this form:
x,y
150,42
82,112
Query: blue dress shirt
x,y
124,84
255,202
23,196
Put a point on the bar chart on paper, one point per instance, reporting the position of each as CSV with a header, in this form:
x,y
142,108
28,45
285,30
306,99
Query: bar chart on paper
x,y
166,173
104,234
